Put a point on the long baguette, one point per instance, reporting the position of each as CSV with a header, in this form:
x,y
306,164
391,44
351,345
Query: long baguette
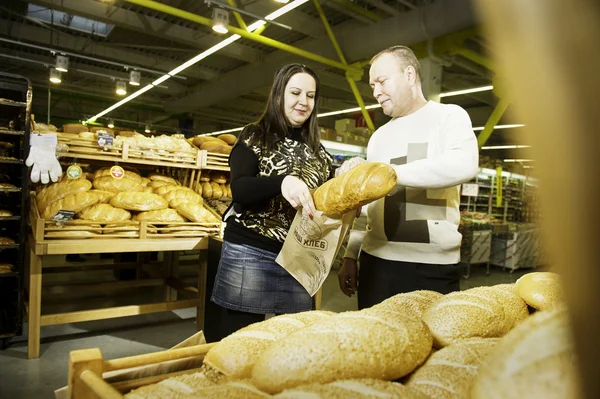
x,y
359,186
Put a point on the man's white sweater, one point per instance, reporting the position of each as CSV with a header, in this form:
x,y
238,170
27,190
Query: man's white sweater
x,y
433,151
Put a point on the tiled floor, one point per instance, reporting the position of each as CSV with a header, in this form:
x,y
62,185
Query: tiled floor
x,y
22,378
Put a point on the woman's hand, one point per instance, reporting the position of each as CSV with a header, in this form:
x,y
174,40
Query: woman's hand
x,y
296,192
349,164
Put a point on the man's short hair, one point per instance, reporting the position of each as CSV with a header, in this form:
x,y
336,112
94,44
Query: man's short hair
x,y
406,55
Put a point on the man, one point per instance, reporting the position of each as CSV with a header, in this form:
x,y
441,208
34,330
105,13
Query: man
x,y
411,240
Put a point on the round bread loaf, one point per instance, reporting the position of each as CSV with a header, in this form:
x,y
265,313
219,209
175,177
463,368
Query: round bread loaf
x,y
371,343
541,290
534,360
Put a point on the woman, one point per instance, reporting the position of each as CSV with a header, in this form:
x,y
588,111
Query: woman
x,y
274,164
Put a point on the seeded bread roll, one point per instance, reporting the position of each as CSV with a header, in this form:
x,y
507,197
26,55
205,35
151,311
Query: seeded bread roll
x,y
75,203
139,202
61,190
117,185
515,309
449,372
365,388
541,290
104,213
371,343
535,360
234,356
411,304
360,185
476,312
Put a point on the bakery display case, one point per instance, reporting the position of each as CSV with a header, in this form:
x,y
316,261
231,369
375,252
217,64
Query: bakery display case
x,y
15,108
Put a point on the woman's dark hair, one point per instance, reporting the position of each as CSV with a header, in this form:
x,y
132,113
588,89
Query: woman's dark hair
x,y
273,124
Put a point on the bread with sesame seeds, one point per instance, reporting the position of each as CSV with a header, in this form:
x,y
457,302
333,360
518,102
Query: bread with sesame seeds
x,y
410,303
365,388
371,343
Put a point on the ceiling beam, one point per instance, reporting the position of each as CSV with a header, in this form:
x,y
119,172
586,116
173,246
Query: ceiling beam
x,y
152,26
297,20
85,46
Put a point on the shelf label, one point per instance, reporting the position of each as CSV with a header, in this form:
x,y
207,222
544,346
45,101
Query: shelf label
x,y
74,172
63,216
470,190
105,139
117,172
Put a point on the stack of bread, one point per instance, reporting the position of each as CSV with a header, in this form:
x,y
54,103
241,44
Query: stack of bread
x,y
215,185
478,343
121,204
222,144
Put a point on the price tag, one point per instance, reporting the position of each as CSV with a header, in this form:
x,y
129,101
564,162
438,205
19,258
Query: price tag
x,y
470,190
74,172
36,139
105,139
117,172
63,216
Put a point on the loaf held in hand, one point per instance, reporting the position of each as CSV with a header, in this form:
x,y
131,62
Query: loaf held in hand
x,y
449,372
104,213
541,290
534,360
139,202
365,388
234,356
61,190
372,343
75,203
362,184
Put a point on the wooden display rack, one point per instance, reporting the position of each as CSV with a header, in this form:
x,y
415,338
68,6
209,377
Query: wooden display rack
x,y
216,161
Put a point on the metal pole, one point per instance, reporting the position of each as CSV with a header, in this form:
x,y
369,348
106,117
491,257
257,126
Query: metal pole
x,y
492,121
243,33
237,15
350,79
48,115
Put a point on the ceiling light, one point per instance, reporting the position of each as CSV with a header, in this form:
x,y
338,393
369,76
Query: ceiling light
x,y
282,1
500,127
111,124
504,147
121,88
134,78
346,111
147,130
276,14
62,63
466,91
519,160
55,76
220,20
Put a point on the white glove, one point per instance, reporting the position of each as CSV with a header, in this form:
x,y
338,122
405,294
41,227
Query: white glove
x,y
45,165
349,164
296,192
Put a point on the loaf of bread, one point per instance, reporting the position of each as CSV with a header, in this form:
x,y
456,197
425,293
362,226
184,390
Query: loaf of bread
x,y
174,387
145,181
365,388
166,179
5,213
205,176
217,192
74,202
371,343
117,185
234,356
357,187
184,195
476,312
7,241
72,234
162,190
216,147
154,184
218,176
228,138
148,189
541,290
6,268
164,215
104,213
199,140
196,213
75,128
103,196
207,191
61,190
177,389
515,309
128,175
225,195
449,372
87,135
534,360
411,304
7,186
139,202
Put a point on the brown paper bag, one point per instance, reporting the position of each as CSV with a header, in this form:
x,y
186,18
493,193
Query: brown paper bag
x,y
311,246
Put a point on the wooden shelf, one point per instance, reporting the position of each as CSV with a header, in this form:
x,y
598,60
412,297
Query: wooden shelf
x,y
12,132
12,161
11,103
10,190
7,218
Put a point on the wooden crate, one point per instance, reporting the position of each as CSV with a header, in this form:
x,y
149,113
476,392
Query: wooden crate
x,y
127,230
89,149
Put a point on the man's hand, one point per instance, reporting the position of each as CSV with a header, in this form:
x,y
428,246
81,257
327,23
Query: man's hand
x,y
349,164
348,276
296,192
